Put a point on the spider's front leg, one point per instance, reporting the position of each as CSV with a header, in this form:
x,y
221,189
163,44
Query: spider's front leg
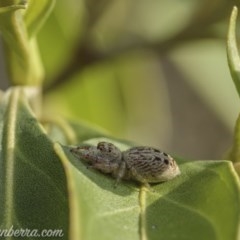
x,y
104,166
119,173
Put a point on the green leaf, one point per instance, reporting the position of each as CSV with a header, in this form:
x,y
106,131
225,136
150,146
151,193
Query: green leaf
x,y
234,66
232,51
22,58
202,203
237,168
39,178
36,14
234,154
32,182
196,205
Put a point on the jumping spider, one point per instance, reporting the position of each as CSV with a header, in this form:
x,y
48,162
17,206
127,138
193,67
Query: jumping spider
x,y
142,164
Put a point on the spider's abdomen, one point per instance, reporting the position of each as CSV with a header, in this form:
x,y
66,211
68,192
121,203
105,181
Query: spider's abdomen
x,y
146,164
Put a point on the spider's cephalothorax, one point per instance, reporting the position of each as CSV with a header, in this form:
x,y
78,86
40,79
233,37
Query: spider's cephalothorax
x,y
143,164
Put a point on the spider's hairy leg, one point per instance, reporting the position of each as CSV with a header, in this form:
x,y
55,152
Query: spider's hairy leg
x,y
120,173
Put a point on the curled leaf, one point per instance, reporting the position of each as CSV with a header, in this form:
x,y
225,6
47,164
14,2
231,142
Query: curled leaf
x,y
232,50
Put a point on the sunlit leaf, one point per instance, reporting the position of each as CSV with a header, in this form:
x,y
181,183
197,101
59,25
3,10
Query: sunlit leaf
x,y
232,51
185,207
36,14
22,59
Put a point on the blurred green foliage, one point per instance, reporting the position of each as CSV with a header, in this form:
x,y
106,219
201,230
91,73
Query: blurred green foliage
x,y
112,63
105,62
